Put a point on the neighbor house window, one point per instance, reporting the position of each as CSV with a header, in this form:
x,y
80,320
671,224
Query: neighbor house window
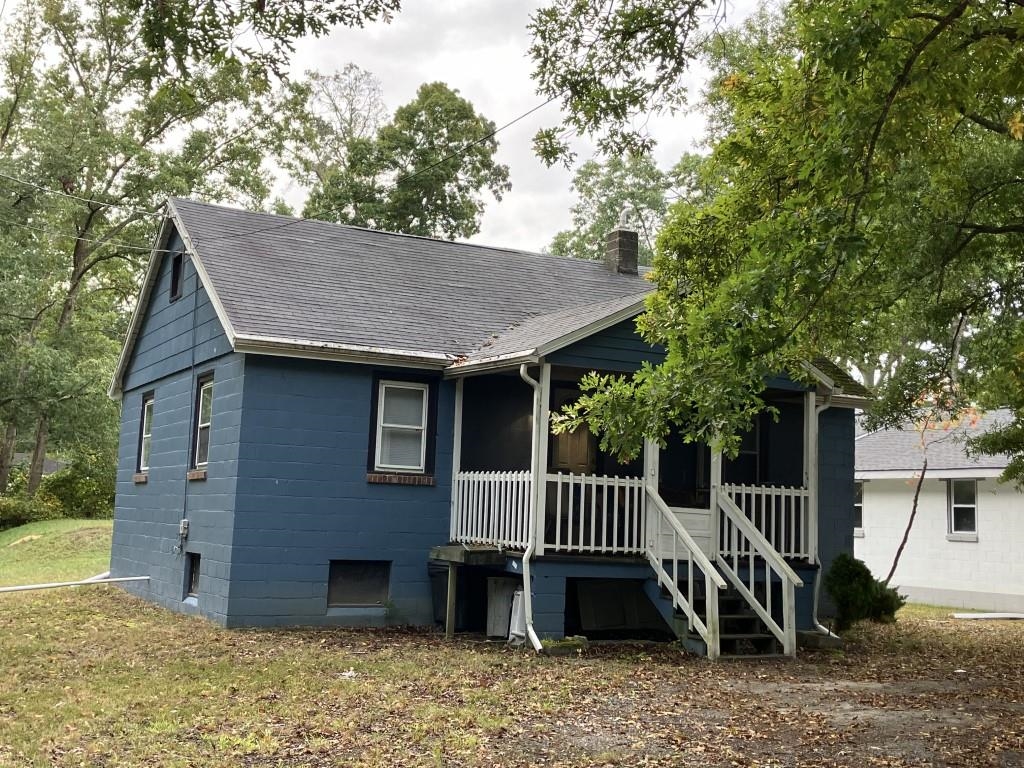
x,y
401,426
858,504
963,506
176,271
191,574
204,415
146,431
358,582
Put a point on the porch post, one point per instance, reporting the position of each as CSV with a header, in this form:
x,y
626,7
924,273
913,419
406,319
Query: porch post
x,y
811,471
540,436
716,482
652,460
456,458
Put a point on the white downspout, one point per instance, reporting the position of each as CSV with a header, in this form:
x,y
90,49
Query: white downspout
x,y
817,557
531,539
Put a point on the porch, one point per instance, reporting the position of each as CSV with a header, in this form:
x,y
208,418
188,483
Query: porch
x,y
702,522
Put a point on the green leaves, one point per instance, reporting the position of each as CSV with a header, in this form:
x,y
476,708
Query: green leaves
x,y
423,173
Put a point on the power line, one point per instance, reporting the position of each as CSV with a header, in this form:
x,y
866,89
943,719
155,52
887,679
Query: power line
x,y
105,243
58,192
397,181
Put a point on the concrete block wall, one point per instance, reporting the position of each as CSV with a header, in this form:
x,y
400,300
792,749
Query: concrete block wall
x,y
304,498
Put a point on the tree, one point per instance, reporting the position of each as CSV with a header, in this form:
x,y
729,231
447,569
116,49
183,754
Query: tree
x,y
868,164
422,173
607,187
195,33
93,138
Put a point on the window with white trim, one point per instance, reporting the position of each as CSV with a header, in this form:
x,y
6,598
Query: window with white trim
x,y
963,506
145,432
858,504
204,418
401,426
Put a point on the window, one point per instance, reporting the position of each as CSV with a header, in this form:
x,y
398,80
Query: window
x,y
358,582
858,504
191,574
963,506
145,431
401,426
204,415
176,266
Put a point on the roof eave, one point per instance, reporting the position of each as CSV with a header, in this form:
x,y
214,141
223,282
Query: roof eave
x,y
953,473
347,353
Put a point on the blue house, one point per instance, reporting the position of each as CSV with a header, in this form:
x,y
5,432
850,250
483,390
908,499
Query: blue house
x,y
326,425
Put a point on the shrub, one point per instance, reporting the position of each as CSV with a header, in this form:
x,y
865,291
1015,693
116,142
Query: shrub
x,y
859,595
18,510
85,487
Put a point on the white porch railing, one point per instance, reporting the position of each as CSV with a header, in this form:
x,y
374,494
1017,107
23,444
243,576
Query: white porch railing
x,y
782,516
492,508
744,554
660,521
592,514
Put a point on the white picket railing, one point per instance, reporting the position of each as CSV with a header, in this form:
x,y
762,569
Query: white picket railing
x,y
666,564
744,554
782,515
492,508
592,514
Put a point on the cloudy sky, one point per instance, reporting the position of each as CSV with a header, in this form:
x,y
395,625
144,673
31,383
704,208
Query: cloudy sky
x,y
479,47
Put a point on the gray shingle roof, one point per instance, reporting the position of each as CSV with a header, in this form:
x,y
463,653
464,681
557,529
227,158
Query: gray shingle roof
x,y
332,284
892,450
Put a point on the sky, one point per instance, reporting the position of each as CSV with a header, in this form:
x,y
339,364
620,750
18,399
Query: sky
x,y
479,48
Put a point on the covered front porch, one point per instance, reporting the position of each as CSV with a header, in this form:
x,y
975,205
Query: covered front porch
x,y
702,522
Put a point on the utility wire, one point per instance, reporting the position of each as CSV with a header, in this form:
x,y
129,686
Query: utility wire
x,y
104,243
407,177
58,192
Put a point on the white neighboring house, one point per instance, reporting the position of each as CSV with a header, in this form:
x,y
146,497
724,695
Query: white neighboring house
x,y
966,548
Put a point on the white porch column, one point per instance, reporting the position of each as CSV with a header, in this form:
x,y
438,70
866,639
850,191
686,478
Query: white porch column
x,y
456,457
716,483
811,471
541,429
652,461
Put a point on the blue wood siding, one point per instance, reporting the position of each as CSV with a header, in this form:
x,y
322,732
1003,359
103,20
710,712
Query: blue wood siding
x,y
618,348
303,498
175,334
835,490
146,516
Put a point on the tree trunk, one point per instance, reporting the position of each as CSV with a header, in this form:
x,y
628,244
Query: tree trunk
x,y
910,523
35,469
7,455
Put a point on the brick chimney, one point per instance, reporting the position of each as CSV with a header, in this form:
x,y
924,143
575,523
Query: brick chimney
x,y
622,245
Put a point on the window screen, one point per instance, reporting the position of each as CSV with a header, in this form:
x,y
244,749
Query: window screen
x,y
358,582
401,426
963,506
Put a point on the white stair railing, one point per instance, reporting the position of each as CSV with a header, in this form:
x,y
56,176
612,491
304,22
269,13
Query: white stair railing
x,y
742,544
662,521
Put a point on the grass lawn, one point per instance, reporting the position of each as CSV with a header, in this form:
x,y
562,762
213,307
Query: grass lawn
x,y
54,550
95,677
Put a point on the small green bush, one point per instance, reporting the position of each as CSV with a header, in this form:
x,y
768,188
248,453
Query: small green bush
x,y
18,510
859,595
85,487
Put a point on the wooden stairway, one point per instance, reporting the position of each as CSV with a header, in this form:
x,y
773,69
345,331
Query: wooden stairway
x,y
742,633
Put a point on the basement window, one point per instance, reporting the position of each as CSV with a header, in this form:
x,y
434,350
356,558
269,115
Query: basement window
x,y
192,574
358,583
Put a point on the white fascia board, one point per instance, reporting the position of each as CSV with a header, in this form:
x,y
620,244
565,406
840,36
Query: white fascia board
x,y
135,324
590,329
847,401
515,359
347,353
965,473
204,277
